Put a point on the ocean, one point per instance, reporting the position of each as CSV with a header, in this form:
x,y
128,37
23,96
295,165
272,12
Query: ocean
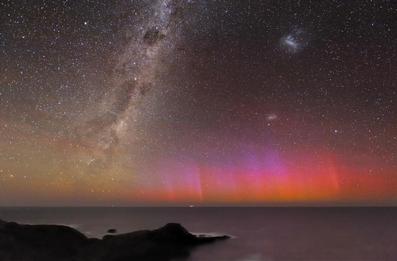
x,y
259,234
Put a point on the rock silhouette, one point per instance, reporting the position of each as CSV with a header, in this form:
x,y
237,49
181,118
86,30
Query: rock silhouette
x,y
112,231
53,242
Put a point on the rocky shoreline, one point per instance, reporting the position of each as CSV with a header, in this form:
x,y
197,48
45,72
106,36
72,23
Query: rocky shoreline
x,y
53,242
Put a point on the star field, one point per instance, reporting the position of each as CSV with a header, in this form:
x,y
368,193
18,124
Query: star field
x,y
198,102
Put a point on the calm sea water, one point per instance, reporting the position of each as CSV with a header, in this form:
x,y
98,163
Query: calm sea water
x,y
260,234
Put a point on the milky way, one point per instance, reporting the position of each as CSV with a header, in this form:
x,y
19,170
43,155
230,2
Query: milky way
x,y
198,102
135,74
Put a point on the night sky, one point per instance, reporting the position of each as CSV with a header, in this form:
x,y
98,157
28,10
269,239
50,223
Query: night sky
x,y
179,102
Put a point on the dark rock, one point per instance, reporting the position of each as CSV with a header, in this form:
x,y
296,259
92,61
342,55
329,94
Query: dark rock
x,y
112,231
51,242
39,242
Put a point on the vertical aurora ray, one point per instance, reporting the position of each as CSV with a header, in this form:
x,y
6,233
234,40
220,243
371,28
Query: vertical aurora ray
x,y
266,178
